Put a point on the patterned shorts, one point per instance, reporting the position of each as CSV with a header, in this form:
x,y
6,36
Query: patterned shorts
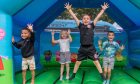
x,y
108,62
30,61
65,57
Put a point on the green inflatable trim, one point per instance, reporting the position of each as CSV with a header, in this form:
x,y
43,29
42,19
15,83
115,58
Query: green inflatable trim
x,y
92,76
135,73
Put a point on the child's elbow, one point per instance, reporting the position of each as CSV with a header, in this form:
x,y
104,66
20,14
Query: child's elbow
x,y
54,42
71,40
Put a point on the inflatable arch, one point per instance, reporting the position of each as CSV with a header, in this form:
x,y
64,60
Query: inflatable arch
x,y
18,13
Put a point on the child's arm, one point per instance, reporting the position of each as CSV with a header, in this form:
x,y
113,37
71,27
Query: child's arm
x,y
68,7
13,39
30,27
17,44
119,48
100,45
122,47
70,38
104,7
53,40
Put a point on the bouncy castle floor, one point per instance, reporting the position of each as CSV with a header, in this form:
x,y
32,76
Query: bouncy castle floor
x,y
84,76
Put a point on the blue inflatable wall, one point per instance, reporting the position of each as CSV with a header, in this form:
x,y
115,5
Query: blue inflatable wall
x,y
6,48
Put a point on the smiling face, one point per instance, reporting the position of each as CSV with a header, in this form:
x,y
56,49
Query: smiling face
x,y
25,34
111,36
86,19
64,34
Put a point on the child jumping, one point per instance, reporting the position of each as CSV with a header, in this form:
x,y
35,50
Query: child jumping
x,y
109,48
87,49
64,42
26,44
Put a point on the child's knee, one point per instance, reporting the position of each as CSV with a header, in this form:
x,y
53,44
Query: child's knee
x,y
109,71
32,69
105,71
67,65
62,65
24,70
96,62
78,63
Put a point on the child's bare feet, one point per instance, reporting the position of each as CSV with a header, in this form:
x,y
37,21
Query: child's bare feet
x,y
32,82
67,77
24,81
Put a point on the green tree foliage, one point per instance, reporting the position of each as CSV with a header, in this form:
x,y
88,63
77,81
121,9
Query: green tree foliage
x,y
81,11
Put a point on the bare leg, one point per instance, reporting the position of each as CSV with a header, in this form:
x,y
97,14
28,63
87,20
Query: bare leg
x,y
76,67
33,76
105,75
98,66
68,69
105,72
24,76
109,73
61,71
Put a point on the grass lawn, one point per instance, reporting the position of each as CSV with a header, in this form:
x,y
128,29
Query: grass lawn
x,y
6,75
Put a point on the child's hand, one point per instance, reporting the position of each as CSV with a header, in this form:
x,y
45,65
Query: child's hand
x,y
105,6
30,26
100,42
52,32
67,6
122,47
13,40
69,31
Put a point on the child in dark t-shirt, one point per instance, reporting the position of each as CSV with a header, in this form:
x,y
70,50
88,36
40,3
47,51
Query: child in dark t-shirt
x,y
87,48
26,44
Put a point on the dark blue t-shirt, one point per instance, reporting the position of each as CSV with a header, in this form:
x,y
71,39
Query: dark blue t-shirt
x,y
26,46
86,33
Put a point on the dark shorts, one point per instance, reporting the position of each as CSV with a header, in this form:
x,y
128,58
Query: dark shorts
x,y
87,52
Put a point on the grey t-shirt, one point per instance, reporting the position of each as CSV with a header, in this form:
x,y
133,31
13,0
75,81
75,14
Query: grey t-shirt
x,y
64,45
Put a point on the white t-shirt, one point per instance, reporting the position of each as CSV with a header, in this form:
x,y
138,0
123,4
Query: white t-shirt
x,y
64,45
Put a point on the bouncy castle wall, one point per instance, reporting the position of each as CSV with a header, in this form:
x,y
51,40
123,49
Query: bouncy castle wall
x,y
134,48
6,48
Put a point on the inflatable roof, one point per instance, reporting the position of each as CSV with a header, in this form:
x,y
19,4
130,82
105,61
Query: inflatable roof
x,y
41,13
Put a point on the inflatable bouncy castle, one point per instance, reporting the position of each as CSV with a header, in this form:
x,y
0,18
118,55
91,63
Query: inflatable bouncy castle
x,y
15,14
